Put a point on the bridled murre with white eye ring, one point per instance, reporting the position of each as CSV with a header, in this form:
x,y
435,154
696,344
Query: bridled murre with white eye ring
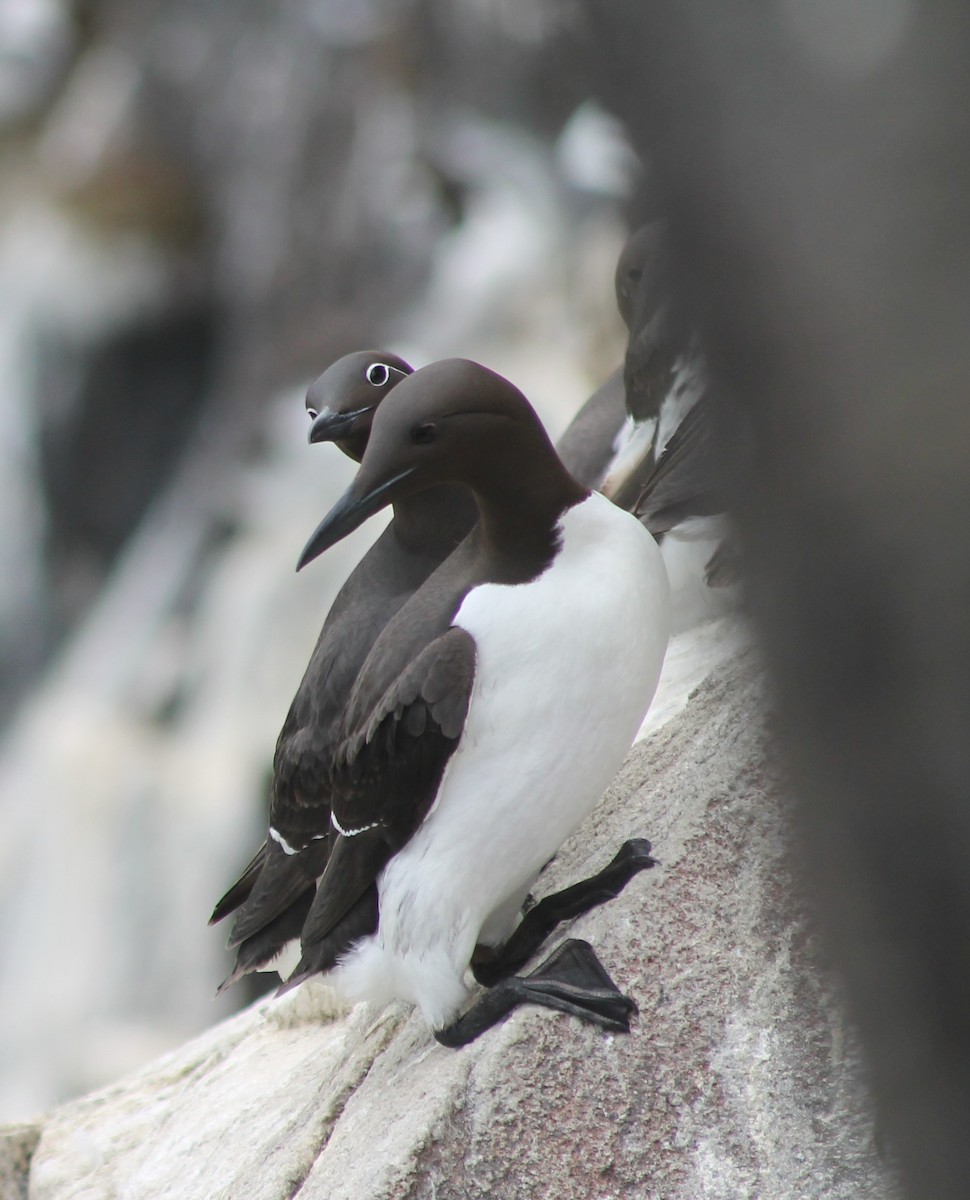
x,y
381,373
341,403
378,374
272,897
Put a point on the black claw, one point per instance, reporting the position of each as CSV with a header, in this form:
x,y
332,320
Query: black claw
x,y
572,979
635,855
539,921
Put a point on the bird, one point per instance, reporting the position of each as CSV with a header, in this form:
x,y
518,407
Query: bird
x,y
663,369
487,720
272,897
603,427
664,381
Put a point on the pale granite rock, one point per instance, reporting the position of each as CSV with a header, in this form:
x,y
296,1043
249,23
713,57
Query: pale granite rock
x,y
17,1144
738,1079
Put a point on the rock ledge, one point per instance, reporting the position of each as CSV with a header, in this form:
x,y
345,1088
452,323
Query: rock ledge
x,y
735,1082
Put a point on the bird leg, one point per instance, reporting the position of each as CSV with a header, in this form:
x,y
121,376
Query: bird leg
x,y
489,966
572,980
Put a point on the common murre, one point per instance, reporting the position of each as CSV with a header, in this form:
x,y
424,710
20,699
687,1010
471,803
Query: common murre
x,y
593,443
272,897
488,718
667,384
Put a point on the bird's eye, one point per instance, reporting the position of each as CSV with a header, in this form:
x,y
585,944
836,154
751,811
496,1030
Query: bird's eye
x,y
378,374
425,433
635,274
312,414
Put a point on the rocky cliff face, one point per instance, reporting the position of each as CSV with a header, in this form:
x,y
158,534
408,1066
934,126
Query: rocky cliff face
x,y
739,1078
204,206
205,203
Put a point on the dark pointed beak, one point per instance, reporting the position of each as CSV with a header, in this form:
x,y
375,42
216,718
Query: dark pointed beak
x,y
331,427
350,512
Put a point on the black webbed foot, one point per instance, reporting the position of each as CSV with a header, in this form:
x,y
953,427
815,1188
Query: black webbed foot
x,y
540,920
572,980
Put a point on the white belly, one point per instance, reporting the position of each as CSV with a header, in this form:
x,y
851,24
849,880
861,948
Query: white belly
x,y
566,669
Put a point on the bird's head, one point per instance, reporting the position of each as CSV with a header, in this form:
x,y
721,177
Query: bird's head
x,y
341,403
639,272
453,421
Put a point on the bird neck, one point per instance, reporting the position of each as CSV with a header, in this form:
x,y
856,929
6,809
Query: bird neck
x,y
435,519
520,513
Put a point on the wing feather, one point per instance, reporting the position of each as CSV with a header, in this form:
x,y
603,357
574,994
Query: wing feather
x,y
386,778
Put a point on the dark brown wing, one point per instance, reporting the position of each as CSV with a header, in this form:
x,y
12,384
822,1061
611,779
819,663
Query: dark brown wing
x,y
686,475
261,949
702,466
386,776
241,889
283,880
382,582
300,797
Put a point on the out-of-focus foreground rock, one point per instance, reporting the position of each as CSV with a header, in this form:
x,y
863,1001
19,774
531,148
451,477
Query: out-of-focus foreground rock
x,y
739,1078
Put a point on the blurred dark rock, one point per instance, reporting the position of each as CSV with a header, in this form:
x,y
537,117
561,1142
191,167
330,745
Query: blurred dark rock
x,y
136,395
813,160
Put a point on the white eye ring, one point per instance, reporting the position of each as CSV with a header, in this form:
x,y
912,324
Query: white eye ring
x,y
378,374
312,414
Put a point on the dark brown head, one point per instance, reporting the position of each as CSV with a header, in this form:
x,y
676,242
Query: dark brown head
x,y
639,270
453,422
341,403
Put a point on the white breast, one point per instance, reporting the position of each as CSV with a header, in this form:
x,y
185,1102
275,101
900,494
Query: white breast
x,y
566,668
